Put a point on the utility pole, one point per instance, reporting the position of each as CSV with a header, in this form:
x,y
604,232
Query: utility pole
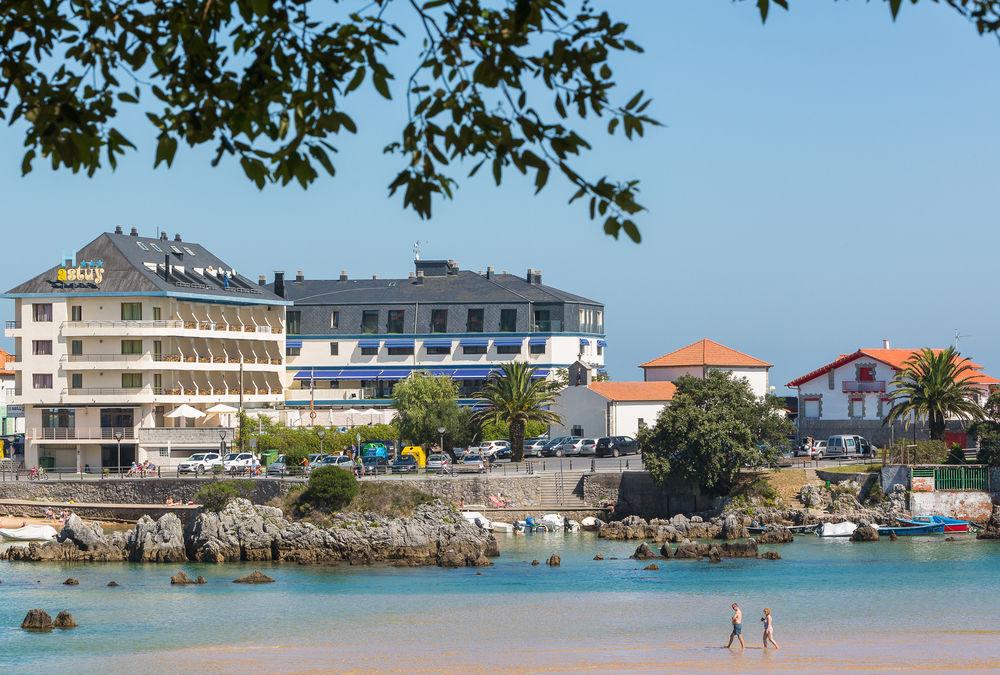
x,y
241,404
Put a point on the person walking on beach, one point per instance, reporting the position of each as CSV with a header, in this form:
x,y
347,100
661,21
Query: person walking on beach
x,y
769,629
737,633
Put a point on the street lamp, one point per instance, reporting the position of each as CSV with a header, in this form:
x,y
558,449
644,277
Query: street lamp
x,y
222,443
321,432
441,431
119,434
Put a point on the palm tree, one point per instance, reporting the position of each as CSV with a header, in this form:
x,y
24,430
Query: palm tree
x,y
514,397
935,386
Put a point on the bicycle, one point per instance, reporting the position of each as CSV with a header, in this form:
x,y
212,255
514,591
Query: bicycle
x,y
37,473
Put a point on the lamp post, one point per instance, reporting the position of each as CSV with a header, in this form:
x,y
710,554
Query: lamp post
x,y
441,431
119,434
222,443
321,432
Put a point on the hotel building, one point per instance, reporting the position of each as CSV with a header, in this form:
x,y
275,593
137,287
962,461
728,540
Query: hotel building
x,y
123,351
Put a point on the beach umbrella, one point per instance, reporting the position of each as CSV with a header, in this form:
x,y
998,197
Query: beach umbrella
x,y
221,409
185,411
372,412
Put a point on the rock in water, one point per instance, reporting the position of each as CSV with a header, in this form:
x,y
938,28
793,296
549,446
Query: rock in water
x,y
482,561
651,567
992,528
64,620
893,536
643,552
37,619
738,549
71,582
535,563
733,527
714,555
770,555
182,579
112,584
865,532
157,541
553,561
598,557
666,551
255,577
775,535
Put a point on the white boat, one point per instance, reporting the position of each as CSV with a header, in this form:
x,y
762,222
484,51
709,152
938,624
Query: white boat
x,y
845,529
573,526
503,527
478,519
553,522
590,523
28,533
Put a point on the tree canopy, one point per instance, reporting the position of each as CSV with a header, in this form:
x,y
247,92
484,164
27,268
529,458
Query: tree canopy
x,y
424,404
515,397
712,429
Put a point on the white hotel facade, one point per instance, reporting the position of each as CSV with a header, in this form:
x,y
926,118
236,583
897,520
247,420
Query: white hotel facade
x,y
108,346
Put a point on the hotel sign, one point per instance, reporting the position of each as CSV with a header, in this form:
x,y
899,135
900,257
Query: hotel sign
x,y
88,274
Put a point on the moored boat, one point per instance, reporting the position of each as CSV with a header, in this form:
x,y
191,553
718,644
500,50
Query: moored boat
x,y
844,529
950,524
911,530
28,533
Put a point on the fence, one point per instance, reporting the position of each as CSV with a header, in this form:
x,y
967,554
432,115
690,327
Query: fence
x,y
961,478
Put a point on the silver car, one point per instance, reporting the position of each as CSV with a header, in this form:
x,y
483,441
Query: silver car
x,y
439,462
570,447
588,447
533,446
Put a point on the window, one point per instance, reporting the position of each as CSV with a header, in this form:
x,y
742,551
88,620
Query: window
x,y
158,388
76,381
334,348
439,320
471,350
394,324
830,380
76,313
131,380
400,351
856,408
41,347
76,347
41,311
811,408
175,249
164,452
439,351
142,246
335,319
188,251
369,351
577,430
41,381
157,349
58,418
508,320
542,321
157,314
642,423
537,349
156,248
369,321
600,321
293,351
131,311
131,346
474,321
508,349
866,374
600,349
293,321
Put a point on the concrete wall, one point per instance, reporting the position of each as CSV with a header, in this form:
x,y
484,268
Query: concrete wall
x,y
523,491
152,491
755,377
579,406
634,493
975,506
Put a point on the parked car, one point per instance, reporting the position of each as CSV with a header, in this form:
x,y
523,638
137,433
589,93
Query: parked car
x,y
616,446
439,462
472,462
240,461
818,448
343,461
504,453
570,447
533,446
491,448
277,467
847,445
405,464
588,447
549,449
373,464
200,462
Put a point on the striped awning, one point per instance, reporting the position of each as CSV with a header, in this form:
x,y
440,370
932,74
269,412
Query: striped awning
x,y
602,343
535,341
584,342
400,343
474,342
437,343
369,344
508,342
293,344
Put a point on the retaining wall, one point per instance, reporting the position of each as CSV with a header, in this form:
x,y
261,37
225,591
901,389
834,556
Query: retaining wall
x,y
975,506
130,491
634,493
523,491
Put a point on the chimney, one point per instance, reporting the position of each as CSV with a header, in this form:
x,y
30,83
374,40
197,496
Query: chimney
x,y
489,272
133,232
279,284
885,343
300,277
262,280
534,277
343,275
374,277
419,279
118,229
177,237
166,266
68,262
163,236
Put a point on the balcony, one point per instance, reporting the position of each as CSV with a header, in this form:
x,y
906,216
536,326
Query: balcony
x,y
11,328
157,361
864,387
210,436
187,394
551,326
86,434
177,327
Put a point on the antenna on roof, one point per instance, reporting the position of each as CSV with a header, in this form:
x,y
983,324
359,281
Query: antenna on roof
x,y
958,338
416,249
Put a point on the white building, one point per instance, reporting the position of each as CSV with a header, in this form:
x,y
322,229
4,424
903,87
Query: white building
x,y
703,356
610,408
853,393
10,421
109,345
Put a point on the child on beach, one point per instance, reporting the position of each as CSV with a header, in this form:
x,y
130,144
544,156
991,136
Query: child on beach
x,y
769,629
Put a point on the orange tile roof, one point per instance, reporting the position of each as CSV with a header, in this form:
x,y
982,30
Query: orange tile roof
x,y
706,352
634,391
5,358
894,358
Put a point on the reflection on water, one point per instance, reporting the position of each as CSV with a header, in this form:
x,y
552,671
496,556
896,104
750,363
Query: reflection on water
x,y
824,594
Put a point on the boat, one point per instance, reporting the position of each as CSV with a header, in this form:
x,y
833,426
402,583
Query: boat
x,y
911,530
844,529
573,526
28,533
553,522
478,519
591,523
950,524
503,527
794,529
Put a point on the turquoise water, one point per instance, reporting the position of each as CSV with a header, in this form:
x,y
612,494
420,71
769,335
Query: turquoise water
x,y
823,593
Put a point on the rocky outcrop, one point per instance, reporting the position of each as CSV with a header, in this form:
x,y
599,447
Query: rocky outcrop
x,y
734,527
71,582
675,530
651,567
775,535
865,532
434,535
157,540
738,549
37,619
632,527
643,552
813,497
770,555
255,577
64,620
992,528
554,561
182,579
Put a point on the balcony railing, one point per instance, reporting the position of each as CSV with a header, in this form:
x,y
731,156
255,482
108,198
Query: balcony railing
x,y
864,387
173,324
78,358
12,325
85,434
551,326
203,435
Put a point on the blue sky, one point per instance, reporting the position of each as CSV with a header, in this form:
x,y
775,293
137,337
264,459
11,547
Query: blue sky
x,y
822,182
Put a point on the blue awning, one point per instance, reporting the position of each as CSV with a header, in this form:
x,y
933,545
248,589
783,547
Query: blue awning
x,y
473,373
602,343
540,372
474,342
584,342
307,375
442,372
437,343
400,343
508,342
293,344
534,341
369,344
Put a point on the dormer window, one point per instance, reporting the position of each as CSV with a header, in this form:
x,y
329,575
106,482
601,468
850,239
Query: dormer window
x,y
156,248
176,250
142,246
188,251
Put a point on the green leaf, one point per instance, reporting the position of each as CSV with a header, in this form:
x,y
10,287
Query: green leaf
x,y
165,150
359,77
634,101
381,86
632,231
260,7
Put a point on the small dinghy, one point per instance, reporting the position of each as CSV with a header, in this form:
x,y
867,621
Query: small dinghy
x,y
845,529
478,519
950,524
28,533
503,527
553,522
912,530
590,523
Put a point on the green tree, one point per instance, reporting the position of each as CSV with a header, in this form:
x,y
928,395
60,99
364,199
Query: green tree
x,y
712,429
273,84
497,431
515,397
934,386
424,404
331,488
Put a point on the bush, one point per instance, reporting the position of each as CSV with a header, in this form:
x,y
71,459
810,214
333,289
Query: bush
x,y
921,452
215,495
331,488
988,434
876,495
955,454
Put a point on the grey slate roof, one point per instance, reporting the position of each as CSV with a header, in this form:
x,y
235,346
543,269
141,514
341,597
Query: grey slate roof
x,y
463,287
125,271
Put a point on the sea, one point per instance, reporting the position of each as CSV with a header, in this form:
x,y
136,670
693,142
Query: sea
x,y
919,603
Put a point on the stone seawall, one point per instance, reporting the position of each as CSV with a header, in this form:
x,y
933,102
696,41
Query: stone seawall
x,y
522,491
131,491
974,506
634,493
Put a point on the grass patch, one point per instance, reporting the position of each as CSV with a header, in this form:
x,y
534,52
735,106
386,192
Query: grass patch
x,y
383,498
853,468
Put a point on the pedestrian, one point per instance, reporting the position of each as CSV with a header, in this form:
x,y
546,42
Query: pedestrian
x,y
769,629
737,633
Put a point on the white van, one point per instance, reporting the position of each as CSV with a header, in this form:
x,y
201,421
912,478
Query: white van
x,y
843,445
